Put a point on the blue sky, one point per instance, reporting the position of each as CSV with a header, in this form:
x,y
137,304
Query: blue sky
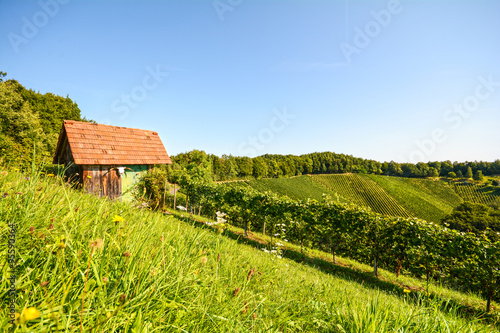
x,y
386,80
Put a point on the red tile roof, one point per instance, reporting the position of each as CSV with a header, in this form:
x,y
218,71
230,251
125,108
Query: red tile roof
x,y
97,144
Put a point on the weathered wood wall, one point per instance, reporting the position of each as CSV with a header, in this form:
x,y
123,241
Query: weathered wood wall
x,y
103,180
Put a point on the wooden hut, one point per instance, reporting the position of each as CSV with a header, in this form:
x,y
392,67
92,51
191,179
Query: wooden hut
x,y
108,159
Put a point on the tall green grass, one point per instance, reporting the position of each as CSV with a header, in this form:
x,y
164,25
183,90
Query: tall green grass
x,y
91,265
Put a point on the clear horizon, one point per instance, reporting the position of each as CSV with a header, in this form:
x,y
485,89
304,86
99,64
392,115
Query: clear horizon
x,y
408,81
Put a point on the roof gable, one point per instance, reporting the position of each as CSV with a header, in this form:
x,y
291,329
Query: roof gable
x,y
97,144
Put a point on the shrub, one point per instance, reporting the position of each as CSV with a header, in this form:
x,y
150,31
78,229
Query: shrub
x,y
472,217
479,176
153,188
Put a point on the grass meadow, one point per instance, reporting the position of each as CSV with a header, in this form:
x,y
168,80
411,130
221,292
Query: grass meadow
x,y
92,265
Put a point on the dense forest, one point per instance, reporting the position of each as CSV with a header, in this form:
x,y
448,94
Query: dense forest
x,y
31,121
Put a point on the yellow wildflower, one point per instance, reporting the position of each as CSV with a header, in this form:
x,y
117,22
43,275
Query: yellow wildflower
x,y
50,175
88,176
30,314
118,218
407,290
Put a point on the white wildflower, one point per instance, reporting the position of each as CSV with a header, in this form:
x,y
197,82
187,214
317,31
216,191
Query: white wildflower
x,y
220,214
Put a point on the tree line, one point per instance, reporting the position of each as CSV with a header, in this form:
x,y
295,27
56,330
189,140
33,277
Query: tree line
x,y
228,167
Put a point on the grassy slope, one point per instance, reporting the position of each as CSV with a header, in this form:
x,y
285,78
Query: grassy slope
x,y
364,273
158,273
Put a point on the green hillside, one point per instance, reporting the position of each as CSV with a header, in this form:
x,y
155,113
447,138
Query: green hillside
x,y
396,196
297,188
93,265
363,191
428,199
476,193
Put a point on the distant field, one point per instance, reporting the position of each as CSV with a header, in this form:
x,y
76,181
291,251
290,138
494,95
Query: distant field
x,y
363,191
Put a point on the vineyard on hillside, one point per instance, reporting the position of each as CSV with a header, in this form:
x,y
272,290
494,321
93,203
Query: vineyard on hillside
x,y
296,188
363,191
475,193
428,199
